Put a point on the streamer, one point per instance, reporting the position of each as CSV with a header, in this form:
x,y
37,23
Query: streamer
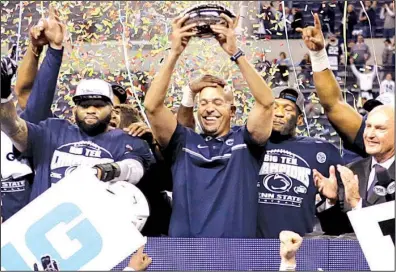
x,y
292,62
127,67
372,42
19,30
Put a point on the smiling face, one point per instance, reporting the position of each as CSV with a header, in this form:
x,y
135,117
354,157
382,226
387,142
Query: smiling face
x,y
93,116
286,117
215,111
379,133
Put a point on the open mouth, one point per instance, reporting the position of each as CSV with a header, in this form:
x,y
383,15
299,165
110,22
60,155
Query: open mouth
x,y
112,124
210,119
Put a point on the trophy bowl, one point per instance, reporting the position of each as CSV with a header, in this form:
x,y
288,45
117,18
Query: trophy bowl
x,y
204,16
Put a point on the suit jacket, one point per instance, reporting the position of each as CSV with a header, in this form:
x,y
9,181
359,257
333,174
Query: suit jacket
x,y
335,221
362,169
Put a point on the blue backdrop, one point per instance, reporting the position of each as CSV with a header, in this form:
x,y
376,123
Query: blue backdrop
x,y
250,254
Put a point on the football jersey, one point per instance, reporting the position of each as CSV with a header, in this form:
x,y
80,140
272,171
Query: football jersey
x,y
214,184
58,147
334,52
358,144
286,191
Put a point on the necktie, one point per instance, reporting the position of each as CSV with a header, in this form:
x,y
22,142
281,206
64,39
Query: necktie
x,y
377,169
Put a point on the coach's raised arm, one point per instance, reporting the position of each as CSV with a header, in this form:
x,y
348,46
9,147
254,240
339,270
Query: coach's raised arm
x,y
345,119
259,123
161,118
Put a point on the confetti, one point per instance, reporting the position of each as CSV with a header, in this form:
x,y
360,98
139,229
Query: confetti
x,y
96,47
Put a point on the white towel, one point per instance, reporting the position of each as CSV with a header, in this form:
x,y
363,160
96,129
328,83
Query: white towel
x,y
10,166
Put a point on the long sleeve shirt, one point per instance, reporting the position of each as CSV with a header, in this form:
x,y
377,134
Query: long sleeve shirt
x,y
365,80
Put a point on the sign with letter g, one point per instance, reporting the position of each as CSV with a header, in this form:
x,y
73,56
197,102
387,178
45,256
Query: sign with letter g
x,y
74,227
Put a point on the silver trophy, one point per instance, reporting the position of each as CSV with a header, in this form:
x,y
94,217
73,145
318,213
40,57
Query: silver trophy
x,y
204,16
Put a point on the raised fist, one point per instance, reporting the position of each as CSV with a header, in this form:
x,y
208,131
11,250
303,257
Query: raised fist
x,y
139,261
290,243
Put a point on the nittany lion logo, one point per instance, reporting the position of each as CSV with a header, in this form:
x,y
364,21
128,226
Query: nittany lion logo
x,y
277,183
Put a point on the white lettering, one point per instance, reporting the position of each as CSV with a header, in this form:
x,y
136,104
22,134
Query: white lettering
x,y
12,184
63,159
76,150
296,172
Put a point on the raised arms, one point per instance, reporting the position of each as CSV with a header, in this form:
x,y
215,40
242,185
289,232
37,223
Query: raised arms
x,y
162,120
259,122
343,116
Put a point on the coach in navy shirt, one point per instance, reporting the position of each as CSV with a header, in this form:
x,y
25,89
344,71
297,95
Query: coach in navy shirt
x,y
214,174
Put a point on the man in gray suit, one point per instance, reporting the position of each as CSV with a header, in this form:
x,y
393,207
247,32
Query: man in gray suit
x,y
359,178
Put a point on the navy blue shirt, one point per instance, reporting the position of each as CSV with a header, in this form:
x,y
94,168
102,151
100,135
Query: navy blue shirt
x,y
286,191
214,184
15,194
58,147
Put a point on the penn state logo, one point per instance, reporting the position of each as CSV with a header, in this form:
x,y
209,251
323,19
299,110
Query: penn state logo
x,y
277,183
300,189
10,156
229,142
321,157
391,188
379,190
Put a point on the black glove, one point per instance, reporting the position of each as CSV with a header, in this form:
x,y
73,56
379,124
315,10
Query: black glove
x,y
8,70
47,264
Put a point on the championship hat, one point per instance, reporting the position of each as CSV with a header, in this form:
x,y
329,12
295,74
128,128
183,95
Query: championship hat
x,y
93,89
291,94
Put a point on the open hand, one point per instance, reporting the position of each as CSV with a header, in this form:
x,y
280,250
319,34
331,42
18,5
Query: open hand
x,y
312,35
206,81
181,35
326,186
138,129
226,35
351,184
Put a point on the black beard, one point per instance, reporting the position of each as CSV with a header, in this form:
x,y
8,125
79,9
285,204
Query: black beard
x,y
289,130
277,137
95,129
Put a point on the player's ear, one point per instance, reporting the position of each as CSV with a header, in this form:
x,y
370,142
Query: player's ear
x,y
300,120
233,110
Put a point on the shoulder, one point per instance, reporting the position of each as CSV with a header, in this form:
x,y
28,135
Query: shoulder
x,y
319,143
55,124
359,163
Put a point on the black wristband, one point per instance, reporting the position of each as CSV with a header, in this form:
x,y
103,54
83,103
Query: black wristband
x,y
109,171
237,55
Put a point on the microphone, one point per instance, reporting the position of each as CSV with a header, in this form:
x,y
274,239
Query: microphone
x,y
385,185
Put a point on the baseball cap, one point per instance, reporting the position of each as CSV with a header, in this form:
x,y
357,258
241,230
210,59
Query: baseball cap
x,y
120,92
382,99
290,93
93,89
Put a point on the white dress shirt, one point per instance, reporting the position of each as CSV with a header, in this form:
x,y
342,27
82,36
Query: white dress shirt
x,y
386,164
